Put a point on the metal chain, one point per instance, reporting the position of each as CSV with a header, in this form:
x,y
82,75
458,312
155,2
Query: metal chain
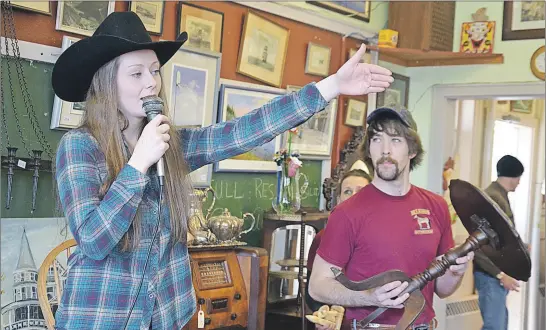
x,y
29,107
4,27
4,123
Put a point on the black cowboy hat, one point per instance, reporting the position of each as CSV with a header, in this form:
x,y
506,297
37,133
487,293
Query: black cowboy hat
x,y
119,33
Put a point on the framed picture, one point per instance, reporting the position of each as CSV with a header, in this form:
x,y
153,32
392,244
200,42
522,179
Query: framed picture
x,y
204,26
42,7
523,20
237,100
356,9
151,13
318,59
316,135
397,93
477,37
522,106
191,81
366,58
82,17
263,50
66,115
25,243
356,112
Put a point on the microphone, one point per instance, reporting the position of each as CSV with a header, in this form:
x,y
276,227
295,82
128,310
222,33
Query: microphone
x,y
153,106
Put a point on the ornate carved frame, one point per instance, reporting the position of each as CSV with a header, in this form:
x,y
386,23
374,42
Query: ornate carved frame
x,y
348,156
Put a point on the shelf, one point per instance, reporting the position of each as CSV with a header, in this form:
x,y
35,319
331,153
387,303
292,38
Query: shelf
x,y
419,58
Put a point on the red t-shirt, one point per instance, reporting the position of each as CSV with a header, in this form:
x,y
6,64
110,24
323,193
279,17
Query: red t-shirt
x,y
373,232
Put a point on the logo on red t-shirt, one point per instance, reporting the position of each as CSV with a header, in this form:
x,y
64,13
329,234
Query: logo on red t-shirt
x,y
423,222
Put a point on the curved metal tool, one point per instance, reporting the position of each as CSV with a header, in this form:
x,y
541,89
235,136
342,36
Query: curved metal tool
x,y
489,228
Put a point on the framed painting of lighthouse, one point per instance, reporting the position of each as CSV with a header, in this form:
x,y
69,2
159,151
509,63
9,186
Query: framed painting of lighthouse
x,y
263,50
25,242
191,80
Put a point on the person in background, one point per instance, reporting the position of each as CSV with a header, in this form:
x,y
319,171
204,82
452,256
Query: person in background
x,y
350,184
492,284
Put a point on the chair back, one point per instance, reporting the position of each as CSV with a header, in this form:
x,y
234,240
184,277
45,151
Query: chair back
x,y
49,272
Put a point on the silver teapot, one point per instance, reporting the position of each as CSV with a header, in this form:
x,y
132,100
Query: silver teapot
x,y
227,227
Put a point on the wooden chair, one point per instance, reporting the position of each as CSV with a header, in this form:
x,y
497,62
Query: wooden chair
x,y
48,269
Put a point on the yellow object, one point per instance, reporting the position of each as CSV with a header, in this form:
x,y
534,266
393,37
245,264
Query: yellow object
x,y
388,38
331,317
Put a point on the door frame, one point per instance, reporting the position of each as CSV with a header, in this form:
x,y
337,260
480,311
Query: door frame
x,y
444,99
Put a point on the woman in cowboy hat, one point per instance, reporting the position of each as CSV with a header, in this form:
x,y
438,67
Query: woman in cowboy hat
x,y
131,269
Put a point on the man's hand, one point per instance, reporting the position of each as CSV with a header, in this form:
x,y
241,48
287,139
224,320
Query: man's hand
x,y
387,295
462,264
509,283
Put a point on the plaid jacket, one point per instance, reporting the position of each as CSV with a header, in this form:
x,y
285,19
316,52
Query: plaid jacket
x,y
103,281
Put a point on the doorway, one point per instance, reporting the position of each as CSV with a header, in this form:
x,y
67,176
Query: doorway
x,y
445,98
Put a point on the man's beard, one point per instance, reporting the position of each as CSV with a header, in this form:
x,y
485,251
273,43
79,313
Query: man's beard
x,y
390,174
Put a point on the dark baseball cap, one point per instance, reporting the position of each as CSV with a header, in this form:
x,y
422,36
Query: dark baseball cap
x,y
396,111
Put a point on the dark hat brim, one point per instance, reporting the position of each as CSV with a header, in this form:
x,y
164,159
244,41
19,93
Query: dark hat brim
x,y
377,113
75,68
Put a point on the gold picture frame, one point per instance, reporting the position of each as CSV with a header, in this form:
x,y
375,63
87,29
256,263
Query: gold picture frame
x,y
262,54
71,16
204,27
318,59
356,112
366,58
41,7
151,13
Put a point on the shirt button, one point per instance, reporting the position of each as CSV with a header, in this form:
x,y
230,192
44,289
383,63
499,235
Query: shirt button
x,y
151,295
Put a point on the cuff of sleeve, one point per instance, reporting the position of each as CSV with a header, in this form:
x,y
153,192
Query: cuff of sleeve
x,y
312,98
328,87
133,178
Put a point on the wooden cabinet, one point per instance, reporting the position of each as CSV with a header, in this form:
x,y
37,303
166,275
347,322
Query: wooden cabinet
x,y
423,25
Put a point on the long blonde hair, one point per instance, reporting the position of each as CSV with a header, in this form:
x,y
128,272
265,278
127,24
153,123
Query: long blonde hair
x,y
106,123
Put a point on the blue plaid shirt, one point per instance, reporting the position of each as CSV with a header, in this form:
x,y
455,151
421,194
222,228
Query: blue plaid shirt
x,y
103,281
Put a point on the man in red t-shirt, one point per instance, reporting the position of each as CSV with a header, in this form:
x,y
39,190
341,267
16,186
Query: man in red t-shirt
x,y
389,224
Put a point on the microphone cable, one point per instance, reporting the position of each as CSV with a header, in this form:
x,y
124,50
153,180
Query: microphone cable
x,y
148,253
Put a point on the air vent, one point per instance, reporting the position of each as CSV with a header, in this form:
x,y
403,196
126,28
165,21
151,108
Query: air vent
x,y
462,307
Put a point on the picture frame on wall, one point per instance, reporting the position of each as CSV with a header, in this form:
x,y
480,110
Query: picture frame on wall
x,y
523,20
366,58
522,106
27,241
82,17
360,10
316,135
262,54
470,43
191,82
318,60
151,13
41,7
235,100
356,112
66,115
204,26
397,93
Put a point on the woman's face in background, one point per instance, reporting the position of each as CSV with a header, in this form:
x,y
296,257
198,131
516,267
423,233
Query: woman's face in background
x,y
351,185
